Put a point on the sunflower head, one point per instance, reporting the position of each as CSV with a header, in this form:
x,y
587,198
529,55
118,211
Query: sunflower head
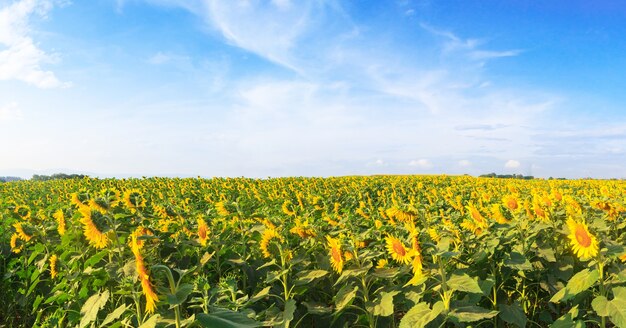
x,y
397,250
584,244
336,258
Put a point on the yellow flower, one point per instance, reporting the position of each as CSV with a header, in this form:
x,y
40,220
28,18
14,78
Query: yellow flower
x,y
510,201
302,229
434,235
336,260
14,246
497,214
58,215
267,236
90,230
53,266
99,205
478,218
348,255
134,200
203,231
142,272
221,209
400,215
584,244
381,263
378,224
397,251
20,231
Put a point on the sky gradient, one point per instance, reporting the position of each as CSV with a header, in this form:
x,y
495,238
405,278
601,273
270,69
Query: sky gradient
x,y
312,88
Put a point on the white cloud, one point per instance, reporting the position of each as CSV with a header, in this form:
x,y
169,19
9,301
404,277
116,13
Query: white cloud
x,y
270,31
464,163
159,58
470,47
22,59
10,111
512,164
421,163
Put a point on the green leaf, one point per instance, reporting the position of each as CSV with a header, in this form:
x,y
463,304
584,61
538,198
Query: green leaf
x,y
517,261
617,311
317,308
151,323
472,313
581,281
226,319
615,250
513,314
383,305
345,296
614,309
464,283
486,285
275,275
89,311
353,273
567,320
305,277
290,308
387,273
95,259
263,293
601,306
37,302
420,315
114,315
181,295
547,253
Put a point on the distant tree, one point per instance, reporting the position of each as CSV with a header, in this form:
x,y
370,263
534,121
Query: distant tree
x,y
57,176
9,179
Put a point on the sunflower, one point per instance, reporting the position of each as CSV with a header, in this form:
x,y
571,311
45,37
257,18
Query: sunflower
x,y
59,216
434,235
267,236
90,230
53,266
135,246
221,209
381,263
348,255
400,215
286,208
336,259
510,201
584,244
397,251
303,229
418,273
15,248
497,214
20,231
478,218
133,199
203,230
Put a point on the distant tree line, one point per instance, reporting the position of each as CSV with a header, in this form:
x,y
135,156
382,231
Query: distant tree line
x,y
57,176
507,176
9,179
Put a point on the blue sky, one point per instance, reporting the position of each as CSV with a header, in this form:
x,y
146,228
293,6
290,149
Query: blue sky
x,y
312,88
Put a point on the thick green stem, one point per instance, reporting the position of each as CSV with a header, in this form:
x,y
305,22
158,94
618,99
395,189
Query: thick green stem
x,y
602,288
170,279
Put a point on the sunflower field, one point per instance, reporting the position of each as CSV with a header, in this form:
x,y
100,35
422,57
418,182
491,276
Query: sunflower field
x,y
380,251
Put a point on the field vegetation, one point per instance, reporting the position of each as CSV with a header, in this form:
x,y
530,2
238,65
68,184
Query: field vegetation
x,y
383,251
